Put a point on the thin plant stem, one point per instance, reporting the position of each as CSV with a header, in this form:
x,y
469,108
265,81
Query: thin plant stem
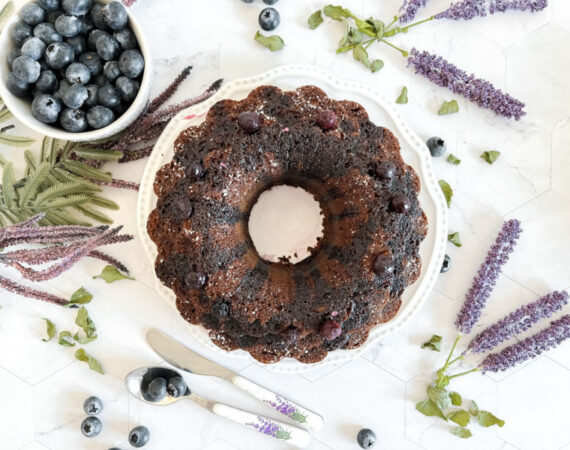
x,y
446,365
404,53
476,369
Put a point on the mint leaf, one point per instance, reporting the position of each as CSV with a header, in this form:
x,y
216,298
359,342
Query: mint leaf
x,y
460,417
376,65
434,343
84,339
461,432
487,419
456,399
80,297
403,97
344,41
490,156
273,43
439,396
315,19
337,12
454,238
450,107
82,355
474,408
452,159
354,36
50,330
85,323
377,26
111,274
65,339
447,191
429,408
360,54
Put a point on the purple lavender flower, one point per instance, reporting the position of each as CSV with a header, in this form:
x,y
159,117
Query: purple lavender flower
x,y
468,9
518,321
441,72
409,9
554,335
267,426
284,407
487,275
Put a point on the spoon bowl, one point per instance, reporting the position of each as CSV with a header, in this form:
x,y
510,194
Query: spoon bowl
x,y
138,380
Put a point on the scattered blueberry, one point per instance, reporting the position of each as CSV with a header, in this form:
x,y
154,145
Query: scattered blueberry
x,y
32,13
16,86
99,117
47,33
77,43
108,96
437,146
91,427
107,47
73,120
14,53
46,108
176,387
92,405
128,89
446,264
93,37
249,121
139,436
111,70
26,69
92,97
64,85
270,2
247,1
157,389
383,265
126,39
87,25
34,48
400,203
92,61
47,82
76,7
385,170
330,330
100,80
75,96
49,5
131,63
327,119
59,55
68,25
96,16
52,16
366,438
220,309
115,15
20,32
269,19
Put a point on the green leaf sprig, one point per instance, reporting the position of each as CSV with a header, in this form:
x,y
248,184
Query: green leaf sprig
x,y
403,97
110,274
454,238
50,330
452,159
450,107
490,156
273,43
447,191
434,343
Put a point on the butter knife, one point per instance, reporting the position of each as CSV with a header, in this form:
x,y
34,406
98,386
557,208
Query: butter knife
x,y
182,357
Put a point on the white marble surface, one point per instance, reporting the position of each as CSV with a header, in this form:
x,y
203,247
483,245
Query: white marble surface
x,y
42,387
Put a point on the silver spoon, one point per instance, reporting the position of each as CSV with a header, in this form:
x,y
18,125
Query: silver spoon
x,y
138,380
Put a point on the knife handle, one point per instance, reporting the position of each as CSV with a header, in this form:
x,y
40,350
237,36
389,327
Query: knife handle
x,y
280,404
284,432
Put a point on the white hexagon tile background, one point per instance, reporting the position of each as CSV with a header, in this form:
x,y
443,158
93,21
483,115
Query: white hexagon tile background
x,y
42,386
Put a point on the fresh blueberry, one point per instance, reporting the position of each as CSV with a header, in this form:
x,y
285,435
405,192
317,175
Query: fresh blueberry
x,y
26,69
14,53
91,427
92,405
20,32
68,25
75,96
77,43
52,16
99,116
92,61
87,25
47,82
46,108
249,121
108,96
32,14
91,96
111,70
131,63
269,19
270,2
139,436
46,32
49,5
73,120
120,109
76,7
176,387
436,145
327,119
115,15
107,47
247,1
59,55
16,86
446,264
157,389
330,330
100,80
64,85
93,37
77,73
96,16
34,48
366,438
126,39
128,89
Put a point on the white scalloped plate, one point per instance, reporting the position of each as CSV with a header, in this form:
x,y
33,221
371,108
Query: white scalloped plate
x,y
381,112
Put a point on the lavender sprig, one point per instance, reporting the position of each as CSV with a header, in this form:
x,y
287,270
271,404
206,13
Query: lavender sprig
x,y
25,291
409,10
554,335
518,321
487,275
483,93
468,9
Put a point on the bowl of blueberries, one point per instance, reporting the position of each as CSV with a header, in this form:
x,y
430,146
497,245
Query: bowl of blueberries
x,y
76,70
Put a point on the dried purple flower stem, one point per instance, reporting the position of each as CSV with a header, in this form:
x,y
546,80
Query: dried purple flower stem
x,y
109,260
25,291
159,100
487,276
409,9
468,9
116,183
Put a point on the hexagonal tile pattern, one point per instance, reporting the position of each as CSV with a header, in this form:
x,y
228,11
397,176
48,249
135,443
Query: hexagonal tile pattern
x,y
17,421
561,158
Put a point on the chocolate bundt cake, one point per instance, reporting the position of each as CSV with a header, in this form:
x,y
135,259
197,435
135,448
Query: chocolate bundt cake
x,y
353,279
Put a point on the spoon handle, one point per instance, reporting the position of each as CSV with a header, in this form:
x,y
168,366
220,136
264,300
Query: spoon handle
x,y
288,433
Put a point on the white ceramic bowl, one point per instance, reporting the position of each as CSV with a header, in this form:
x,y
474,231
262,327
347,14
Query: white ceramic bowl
x,y
22,108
